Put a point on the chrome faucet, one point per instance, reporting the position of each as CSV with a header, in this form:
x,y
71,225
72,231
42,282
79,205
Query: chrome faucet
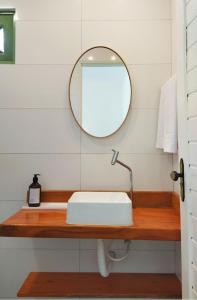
x,y
115,160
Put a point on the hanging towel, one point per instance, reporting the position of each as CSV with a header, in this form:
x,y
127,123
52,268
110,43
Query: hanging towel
x,y
167,137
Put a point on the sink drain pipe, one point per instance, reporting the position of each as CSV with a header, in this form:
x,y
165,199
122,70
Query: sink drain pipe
x,y
105,258
104,264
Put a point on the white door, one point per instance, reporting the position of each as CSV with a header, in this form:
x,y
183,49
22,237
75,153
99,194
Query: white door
x,y
187,119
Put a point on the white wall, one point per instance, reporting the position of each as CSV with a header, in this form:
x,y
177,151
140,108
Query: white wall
x,y
39,134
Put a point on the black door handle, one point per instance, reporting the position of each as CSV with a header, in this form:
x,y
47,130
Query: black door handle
x,y
175,176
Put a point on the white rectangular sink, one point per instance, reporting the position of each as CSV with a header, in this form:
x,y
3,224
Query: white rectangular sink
x,y
99,208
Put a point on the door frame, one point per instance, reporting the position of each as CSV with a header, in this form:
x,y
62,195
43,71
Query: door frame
x,y
181,47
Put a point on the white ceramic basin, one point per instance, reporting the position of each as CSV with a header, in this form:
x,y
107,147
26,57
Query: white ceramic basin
x,y
99,208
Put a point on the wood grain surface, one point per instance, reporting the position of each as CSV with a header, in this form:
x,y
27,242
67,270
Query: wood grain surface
x,y
154,218
93,285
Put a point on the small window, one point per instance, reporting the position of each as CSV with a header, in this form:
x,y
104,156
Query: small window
x,y
7,44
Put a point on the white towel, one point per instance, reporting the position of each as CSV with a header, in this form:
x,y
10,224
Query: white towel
x,y
167,137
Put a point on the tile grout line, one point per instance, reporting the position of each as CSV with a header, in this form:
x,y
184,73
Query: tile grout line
x,y
79,267
80,128
72,64
94,20
62,108
80,153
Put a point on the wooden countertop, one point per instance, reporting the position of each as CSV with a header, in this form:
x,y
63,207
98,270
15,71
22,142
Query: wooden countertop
x,y
156,217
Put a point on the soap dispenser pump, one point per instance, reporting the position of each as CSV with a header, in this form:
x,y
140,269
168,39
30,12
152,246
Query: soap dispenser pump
x,y
34,192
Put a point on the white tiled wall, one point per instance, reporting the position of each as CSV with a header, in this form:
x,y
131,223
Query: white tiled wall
x,y
39,134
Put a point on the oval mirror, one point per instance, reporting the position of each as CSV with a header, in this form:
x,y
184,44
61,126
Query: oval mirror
x,y
100,91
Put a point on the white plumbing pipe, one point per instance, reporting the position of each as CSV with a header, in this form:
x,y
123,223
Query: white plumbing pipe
x,y
105,258
114,257
104,265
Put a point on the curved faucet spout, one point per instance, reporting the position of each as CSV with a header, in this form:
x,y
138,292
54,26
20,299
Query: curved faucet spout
x,y
115,160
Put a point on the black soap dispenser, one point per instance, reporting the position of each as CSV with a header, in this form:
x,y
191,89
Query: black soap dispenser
x,y
34,192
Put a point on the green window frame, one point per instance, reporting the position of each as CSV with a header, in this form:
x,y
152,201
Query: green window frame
x,y
7,56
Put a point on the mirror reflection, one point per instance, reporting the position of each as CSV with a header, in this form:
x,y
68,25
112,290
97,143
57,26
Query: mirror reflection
x,y
100,91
